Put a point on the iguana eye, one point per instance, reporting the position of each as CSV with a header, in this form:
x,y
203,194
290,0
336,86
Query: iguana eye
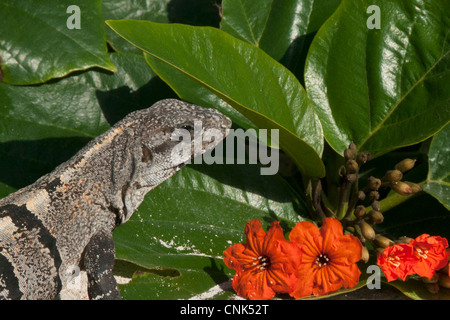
x,y
146,154
186,126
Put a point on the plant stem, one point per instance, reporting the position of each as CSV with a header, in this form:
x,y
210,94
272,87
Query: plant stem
x,y
392,201
353,200
326,204
316,197
343,200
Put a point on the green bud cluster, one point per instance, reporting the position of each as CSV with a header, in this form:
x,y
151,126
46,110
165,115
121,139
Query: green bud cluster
x,y
360,208
393,178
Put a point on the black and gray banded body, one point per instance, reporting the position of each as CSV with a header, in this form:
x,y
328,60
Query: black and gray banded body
x,y
66,218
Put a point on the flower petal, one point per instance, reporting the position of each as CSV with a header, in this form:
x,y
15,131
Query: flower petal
x,y
326,281
255,235
252,285
304,286
308,237
331,232
273,235
397,261
265,264
347,247
347,274
431,254
233,255
328,258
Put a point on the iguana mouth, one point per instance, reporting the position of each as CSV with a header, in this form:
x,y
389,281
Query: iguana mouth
x,y
181,165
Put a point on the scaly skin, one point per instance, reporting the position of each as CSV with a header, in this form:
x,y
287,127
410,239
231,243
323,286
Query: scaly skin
x,y
66,218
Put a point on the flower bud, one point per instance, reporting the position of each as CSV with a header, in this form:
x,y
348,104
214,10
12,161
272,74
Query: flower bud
x,y
374,195
414,187
376,205
432,287
383,242
405,165
352,147
366,230
363,157
365,254
374,183
401,188
361,195
403,240
444,280
359,211
393,176
349,154
378,251
350,229
376,216
351,166
434,279
352,177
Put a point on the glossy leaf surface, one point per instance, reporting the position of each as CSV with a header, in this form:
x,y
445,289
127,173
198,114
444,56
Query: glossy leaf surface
x,y
381,88
438,181
36,43
202,54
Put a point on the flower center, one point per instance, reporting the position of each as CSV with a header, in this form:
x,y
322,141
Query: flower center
x,y
421,252
322,260
394,260
262,262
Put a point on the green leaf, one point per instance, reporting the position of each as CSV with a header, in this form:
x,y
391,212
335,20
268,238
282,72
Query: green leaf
x,y
419,214
68,107
189,89
246,20
241,75
274,25
43,126
36,45
201,13
438,181
381,88
310,15
194,284
5,190
188,221
415,289
155,11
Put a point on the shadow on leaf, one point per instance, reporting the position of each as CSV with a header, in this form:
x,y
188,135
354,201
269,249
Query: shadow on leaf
x,y
23,162
119,102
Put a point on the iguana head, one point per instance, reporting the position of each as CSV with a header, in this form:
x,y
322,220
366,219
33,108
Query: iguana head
x,y
165,137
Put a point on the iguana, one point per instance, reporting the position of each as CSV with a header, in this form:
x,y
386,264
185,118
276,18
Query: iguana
x,y
67,217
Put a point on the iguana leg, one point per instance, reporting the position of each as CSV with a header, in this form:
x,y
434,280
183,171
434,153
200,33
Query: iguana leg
x,y
98,261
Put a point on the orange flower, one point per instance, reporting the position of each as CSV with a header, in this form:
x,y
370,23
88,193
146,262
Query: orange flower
x,y
397,261
265,264
328,259
423,256
431,254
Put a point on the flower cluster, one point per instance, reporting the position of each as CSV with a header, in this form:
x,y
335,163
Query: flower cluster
x,y
422,256
320,261
312,262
